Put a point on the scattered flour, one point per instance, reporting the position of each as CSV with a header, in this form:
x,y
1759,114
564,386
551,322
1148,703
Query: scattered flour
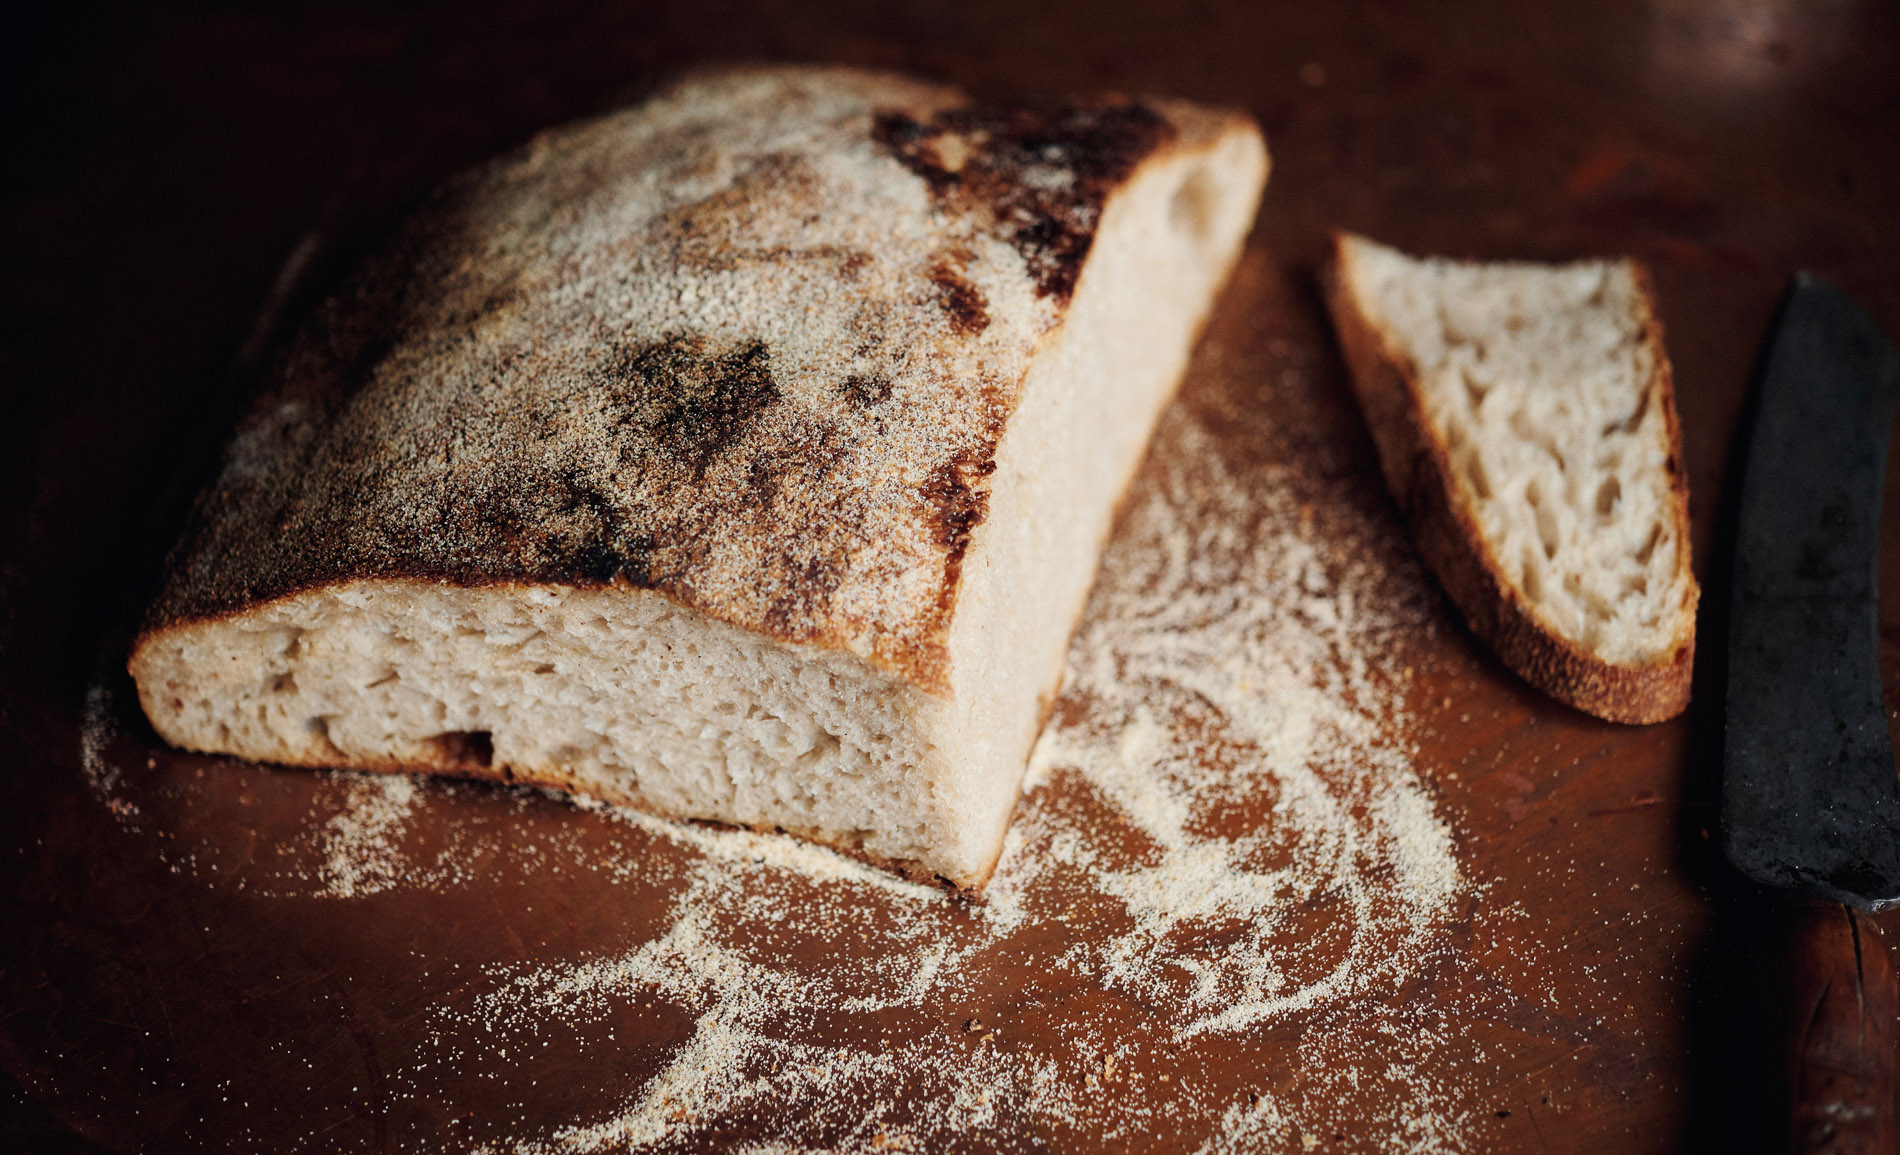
x,y
1223,834
1226,760
360,843
98,729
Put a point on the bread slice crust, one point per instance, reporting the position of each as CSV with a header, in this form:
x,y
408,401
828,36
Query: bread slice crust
x,y
1418,470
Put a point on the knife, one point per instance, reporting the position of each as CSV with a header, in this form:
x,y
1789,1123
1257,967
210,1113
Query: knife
x,y
1810,798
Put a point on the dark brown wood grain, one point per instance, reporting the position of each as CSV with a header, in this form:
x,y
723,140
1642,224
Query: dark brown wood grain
x,y
169,164
1839,1004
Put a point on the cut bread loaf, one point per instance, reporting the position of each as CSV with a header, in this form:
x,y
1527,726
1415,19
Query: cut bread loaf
x,y
744,456
1526,426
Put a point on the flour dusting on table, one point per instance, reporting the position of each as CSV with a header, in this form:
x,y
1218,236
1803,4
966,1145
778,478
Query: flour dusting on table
x,y
1224,852
360,854
98,730
1223,829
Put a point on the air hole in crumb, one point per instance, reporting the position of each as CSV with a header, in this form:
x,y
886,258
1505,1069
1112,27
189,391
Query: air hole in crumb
x,y
390,676
544,668
1546,520
1532,581
1547,530
1607,495
1525,427
1475,475
464,749
1629,424
319,731
1649,547
284,684
823,746
1473,390
1196,203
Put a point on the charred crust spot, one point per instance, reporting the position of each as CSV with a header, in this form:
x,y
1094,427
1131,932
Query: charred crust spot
x,y
960,498
692,402
597,563
636,559
802,601
627,558
580,497
602,547
708,401
1038,171
864,390
963,302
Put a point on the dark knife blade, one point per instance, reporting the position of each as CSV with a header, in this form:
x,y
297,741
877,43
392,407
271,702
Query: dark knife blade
x,y
1810,798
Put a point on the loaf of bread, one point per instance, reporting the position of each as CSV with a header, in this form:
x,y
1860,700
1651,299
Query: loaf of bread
x,y
1526,426
744,456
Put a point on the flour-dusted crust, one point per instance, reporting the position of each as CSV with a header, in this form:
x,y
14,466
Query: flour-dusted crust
x,y
749,360
1433,496
771,351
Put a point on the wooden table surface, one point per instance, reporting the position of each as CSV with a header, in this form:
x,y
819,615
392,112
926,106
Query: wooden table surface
x,y
163,989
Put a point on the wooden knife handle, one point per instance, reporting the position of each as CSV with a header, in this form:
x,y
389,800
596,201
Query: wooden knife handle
x,y
1840,1032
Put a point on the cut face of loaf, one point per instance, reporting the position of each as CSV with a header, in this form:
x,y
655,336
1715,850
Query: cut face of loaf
x,y
1526,425
745,456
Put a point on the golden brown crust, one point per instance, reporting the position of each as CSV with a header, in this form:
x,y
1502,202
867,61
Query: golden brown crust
x,y
751,346
1418,473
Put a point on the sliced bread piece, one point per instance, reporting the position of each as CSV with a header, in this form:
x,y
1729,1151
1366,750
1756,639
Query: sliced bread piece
x,y
743,456
1526,426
